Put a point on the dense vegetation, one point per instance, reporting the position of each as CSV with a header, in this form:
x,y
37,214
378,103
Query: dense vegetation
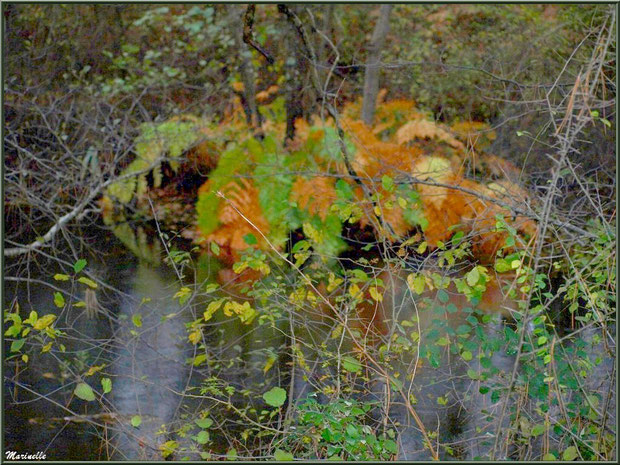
x,y
405,249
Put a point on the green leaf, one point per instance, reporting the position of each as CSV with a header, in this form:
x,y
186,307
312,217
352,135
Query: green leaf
x,y
84,392
215,249
202,437
203,423
282,456
137,320
275,397
79,265
467,355
473,374
570,454
61,277
473,276
250,239
136,421
538,429
443,296
17,345
351,364
549,457
396,384
88,282
390,446
59,300
106,384
231,454
13,331
501,265
388,183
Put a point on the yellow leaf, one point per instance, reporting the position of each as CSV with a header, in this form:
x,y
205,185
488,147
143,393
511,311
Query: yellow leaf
x,y
333,282
88,282
270,361
212,308
298,295
336,332
230,307
195,336
246,313
416,283
44,322
422,247
312,233
46,348
94,369
355,291
375,294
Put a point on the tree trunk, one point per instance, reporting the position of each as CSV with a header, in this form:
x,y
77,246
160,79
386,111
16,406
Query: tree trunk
x,y
323,49
295,68
371,77
246,70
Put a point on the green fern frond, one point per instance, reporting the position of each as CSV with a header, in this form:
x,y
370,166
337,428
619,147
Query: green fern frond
x,y
172,137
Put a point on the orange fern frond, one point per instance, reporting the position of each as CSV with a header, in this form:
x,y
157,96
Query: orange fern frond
x,y
498,167
425,129
203,156
376,158
476,134
316,194
240,198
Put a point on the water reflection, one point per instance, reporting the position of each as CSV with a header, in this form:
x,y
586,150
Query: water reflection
x,y
149,373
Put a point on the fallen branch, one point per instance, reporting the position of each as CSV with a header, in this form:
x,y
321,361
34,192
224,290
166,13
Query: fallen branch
x,y
75,213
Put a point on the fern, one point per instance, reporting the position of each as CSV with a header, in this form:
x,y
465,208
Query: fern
x,y
231,162
274,187
286,189
269,169
172,137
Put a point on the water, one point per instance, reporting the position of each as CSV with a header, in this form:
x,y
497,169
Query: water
x,y
134,331
136,334
149,371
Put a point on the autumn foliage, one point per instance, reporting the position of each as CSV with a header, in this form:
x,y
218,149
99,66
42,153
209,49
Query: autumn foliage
x,y
406,153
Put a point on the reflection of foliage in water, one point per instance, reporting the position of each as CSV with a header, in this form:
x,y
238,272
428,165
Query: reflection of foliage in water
x,y
139,243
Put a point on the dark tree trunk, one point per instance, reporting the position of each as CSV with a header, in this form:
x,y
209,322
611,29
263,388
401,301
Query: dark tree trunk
x,y
371,77
248,96
296,67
